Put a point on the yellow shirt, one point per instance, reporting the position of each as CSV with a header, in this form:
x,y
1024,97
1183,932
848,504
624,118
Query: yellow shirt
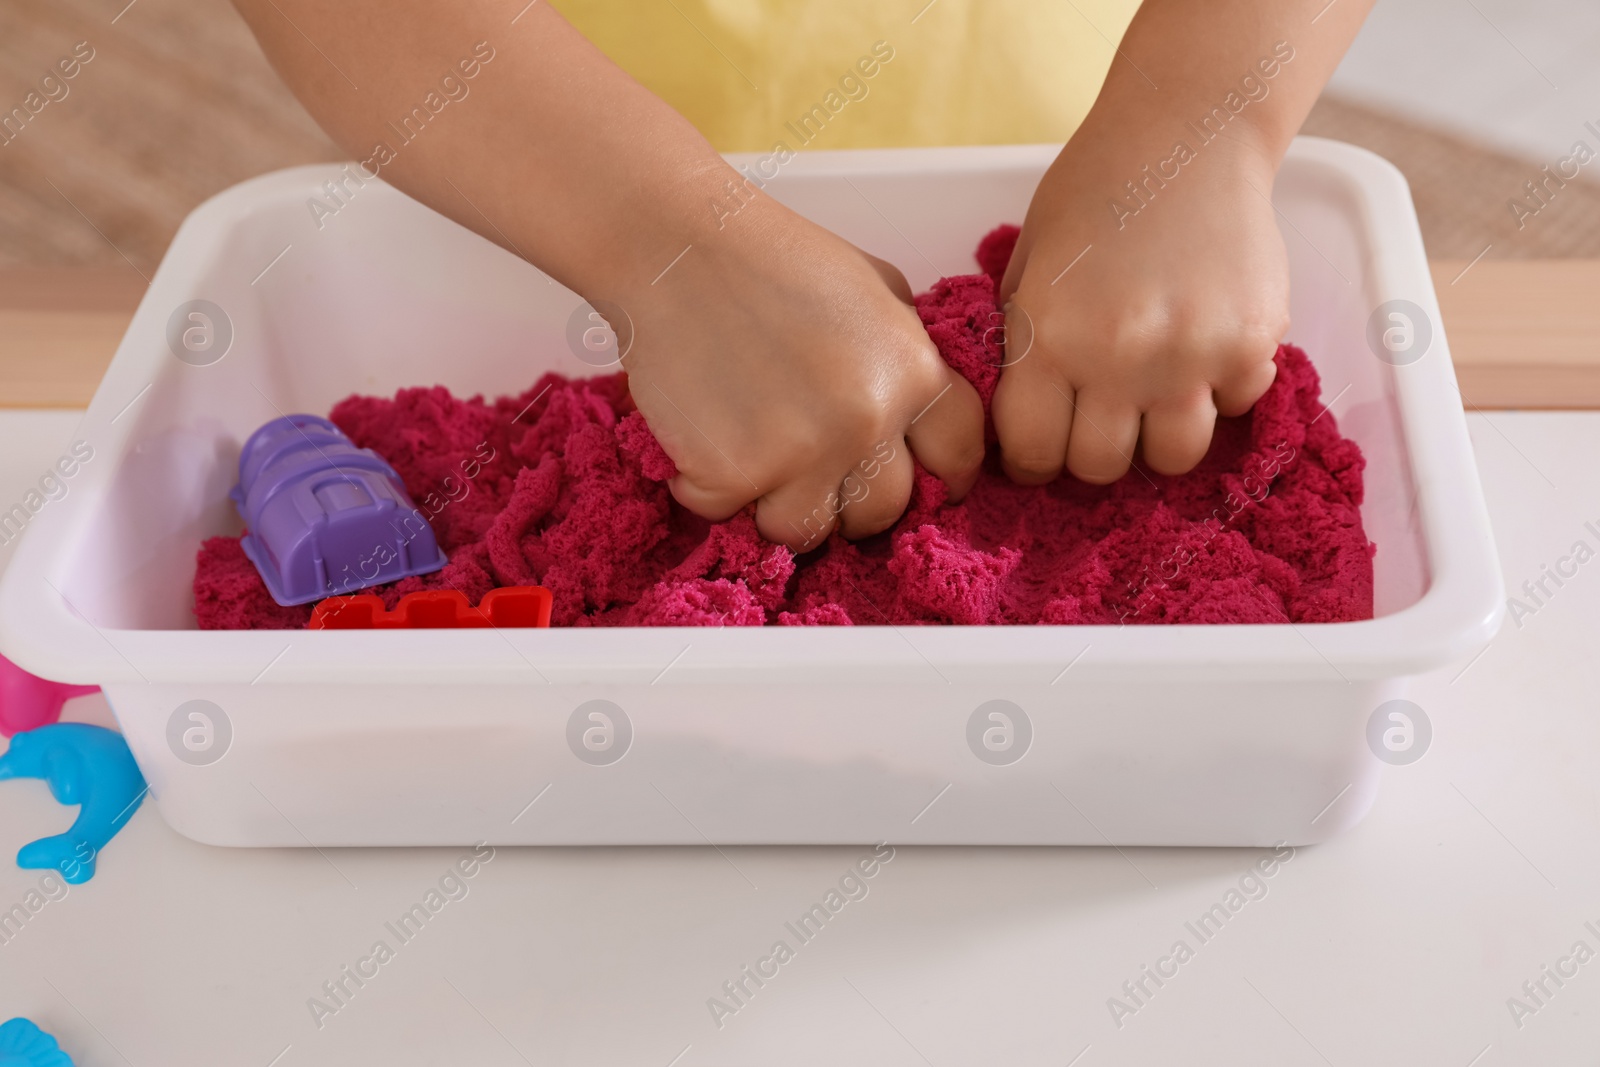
x,y
751,74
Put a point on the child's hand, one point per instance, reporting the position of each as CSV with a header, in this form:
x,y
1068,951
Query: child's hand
x,y
1162,324
778,363
1171,315
774,361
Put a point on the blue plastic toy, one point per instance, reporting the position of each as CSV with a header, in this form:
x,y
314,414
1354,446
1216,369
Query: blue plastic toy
x,y
85,765
23,1044
325,517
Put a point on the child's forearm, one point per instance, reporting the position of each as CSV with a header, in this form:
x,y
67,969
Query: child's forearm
x,y
548,149
1180,59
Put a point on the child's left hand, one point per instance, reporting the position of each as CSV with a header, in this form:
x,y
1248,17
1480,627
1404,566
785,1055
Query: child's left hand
x,y
1172,315
1167,319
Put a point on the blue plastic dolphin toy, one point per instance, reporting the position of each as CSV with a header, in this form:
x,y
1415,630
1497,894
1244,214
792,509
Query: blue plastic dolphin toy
x,y
85,765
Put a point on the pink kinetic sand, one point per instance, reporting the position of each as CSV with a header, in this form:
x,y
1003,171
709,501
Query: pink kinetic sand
x,y
563,486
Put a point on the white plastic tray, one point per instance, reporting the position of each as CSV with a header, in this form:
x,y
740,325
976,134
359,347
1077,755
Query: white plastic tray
x,y
1220,735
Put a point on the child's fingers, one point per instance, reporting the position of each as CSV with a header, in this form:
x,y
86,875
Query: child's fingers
x,y
1174,435
1104,434
947,433
1033,419
876,490
712,504
800,514
1235,397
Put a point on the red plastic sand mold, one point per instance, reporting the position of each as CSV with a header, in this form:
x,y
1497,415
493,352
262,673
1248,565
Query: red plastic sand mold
x,y
436,609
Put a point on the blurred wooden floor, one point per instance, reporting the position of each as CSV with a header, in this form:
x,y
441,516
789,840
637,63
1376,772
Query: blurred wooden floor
x,y
178,103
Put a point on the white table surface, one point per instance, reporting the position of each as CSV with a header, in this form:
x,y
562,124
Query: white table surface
x,y
1398,943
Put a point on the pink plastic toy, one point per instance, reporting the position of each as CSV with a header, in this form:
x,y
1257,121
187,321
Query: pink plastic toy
x,y
28,701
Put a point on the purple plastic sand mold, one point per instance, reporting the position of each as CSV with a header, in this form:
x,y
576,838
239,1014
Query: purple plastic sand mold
x,y
323,517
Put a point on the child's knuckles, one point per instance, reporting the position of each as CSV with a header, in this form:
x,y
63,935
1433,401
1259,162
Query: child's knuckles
x,y
784,447
1175,440
1032,458
1249,331
1058,330
923,368
859,413
780,519
1101,444
876,507
1096,342
967,455
1255,341
1096,468
715,500
892,277
1246,387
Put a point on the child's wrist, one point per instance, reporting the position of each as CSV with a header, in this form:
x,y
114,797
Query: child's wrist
x,y
1256,111
629,235
1116,147
709,223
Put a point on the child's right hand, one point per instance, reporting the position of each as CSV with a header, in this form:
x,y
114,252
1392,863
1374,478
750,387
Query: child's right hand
x,y
775,362
778,363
